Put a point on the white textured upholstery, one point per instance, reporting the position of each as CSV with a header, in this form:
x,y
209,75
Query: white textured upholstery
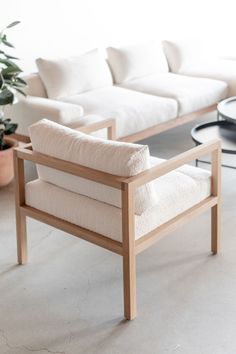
x,y
35,86
134,61
117,158
176,191
181,54
31,109
69,76
133,111
220,69
191,93
200,61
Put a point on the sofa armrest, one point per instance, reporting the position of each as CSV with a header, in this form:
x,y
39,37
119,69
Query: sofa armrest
x,y
31,109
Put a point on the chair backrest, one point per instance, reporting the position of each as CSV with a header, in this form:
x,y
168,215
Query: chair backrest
x,y
116,158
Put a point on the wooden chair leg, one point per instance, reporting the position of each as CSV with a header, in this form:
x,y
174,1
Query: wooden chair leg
x,y
21,235
20,217
129,257
215,228
129,279
216,191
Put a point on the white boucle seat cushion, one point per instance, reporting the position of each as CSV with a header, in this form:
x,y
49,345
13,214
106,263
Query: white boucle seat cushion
x,y
113,157
69,76
133,111
177,191
191,93
220,69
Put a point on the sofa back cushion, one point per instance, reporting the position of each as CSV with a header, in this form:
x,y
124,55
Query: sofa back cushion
x,y
35,86
135,61
74,75
117,158
183,55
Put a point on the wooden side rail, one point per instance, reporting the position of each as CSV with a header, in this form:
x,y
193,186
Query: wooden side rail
x,y
70,167
212,147
110,124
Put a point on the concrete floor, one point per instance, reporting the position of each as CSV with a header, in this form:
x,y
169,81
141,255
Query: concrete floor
x,y
68,299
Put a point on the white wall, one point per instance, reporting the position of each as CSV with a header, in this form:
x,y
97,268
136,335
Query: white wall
x,y
52,28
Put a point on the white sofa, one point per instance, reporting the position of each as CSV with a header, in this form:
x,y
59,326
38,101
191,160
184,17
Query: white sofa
x,y
145,88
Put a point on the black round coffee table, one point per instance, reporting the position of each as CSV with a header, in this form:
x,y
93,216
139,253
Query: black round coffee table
x,y
221,129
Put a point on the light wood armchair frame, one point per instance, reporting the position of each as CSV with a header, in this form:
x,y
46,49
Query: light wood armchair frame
x,y
129,248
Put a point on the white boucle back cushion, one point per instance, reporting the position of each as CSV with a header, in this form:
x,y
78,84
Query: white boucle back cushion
x,y
135,61
184,55
117,158
71,76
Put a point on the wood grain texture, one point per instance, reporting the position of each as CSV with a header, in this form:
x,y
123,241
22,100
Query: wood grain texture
x,y
72,168
173,163
73,229
21,233
216,191
129,260
109,124
155,235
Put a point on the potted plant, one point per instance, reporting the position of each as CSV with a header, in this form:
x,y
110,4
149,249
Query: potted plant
x,y
10,84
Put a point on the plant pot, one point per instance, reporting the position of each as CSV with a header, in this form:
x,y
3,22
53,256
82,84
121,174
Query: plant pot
x,y
6,163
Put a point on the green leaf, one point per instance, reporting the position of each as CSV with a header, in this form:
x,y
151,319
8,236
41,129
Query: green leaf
x,y
9,72
9,63
6,97
8,44
20,91
10,57
13,24
23,82
11,128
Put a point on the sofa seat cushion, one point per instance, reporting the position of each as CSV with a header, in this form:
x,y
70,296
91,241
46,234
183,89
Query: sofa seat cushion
x,y
221,69
177,191
133,111
191,93
113,157
69,76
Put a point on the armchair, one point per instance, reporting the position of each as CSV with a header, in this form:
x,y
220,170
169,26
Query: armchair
x,y
131,242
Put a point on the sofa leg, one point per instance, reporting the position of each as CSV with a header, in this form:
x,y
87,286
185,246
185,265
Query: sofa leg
x,y
129,279
21,235
215,228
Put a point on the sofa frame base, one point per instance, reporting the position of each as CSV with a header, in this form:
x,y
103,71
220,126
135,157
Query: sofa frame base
x,y
129,248
173,123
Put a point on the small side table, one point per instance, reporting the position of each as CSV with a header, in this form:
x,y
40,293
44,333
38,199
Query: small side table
x,y
226,109
224,128
221,129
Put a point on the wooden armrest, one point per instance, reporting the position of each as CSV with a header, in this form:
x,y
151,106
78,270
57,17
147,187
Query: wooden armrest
x,y
107,179
213,147
110,124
